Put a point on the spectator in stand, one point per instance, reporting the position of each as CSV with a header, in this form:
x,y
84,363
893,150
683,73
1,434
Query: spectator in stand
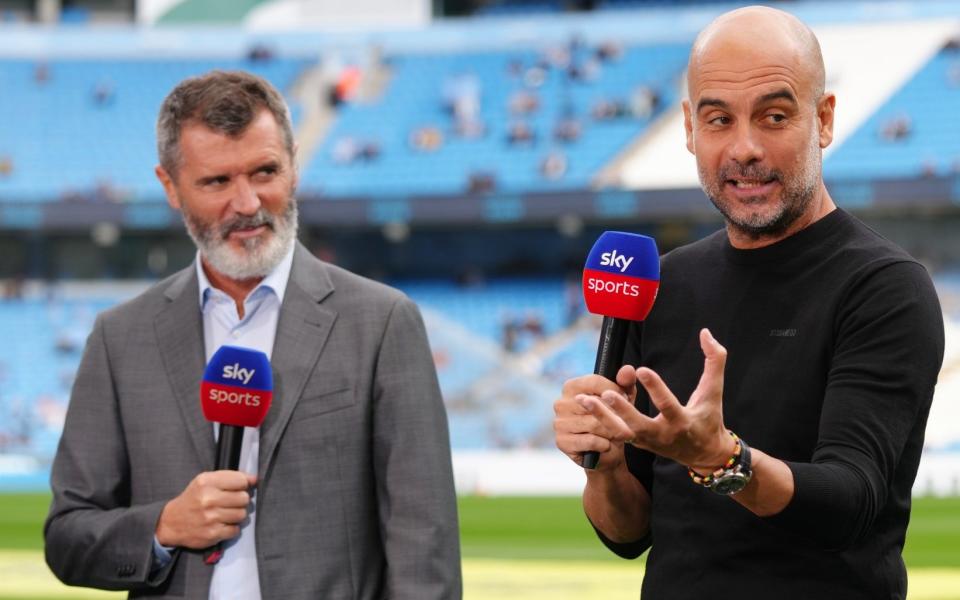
x,y
345,150
370,151
260,53
511,333
515,68
104,93
347,84
606,109
644,101
524,102
554,166
481,182
41,73
567,129
472,129
6,166
609,51
461,98
533,324
897,128
520,133
535,76
426,139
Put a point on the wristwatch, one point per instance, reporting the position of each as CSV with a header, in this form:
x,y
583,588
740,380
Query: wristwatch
x,y
733,476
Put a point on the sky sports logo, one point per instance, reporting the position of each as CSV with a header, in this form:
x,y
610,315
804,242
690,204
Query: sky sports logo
x,y
237,387
623,288
621,276
235,371
612,259
221,395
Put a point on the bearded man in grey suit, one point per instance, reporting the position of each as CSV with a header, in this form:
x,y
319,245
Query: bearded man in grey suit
x,y
346,489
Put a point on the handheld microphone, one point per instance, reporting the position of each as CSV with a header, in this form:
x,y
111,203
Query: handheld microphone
x,y
236,392
620,282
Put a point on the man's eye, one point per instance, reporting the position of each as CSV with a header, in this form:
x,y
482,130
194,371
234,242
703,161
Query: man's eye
x,y
719,121
776,118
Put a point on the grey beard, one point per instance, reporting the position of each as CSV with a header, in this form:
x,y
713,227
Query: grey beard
x,y
799,191
259,256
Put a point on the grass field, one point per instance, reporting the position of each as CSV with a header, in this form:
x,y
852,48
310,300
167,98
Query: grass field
x,y
523,548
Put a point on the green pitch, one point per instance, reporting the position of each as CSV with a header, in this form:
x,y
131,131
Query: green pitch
x,y
529,548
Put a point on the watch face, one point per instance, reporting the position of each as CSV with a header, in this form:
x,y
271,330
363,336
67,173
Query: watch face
x,y
730,483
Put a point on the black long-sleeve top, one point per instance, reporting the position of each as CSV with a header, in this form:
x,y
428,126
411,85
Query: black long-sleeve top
x,y
834,339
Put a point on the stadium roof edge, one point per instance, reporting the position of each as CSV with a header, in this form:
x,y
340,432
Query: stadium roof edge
x,y
654,25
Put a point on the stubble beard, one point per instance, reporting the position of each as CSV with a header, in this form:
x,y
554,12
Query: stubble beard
x,y
796,195
259,255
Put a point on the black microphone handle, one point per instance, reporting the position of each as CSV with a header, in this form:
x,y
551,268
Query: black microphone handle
x,y
229,443
610,351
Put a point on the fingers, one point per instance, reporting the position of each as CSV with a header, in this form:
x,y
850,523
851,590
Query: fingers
x,y
207,511
580,433
627,380
574,444
660,394
229,480
714,362
587,384
610,419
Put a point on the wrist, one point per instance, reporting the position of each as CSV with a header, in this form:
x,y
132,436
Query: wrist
x,y
733,476
725,447
163,532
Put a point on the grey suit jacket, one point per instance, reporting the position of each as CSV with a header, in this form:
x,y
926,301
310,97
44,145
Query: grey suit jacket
x,y
355,491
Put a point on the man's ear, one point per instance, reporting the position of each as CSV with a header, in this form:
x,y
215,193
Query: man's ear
x,y
169,187
825,109
688,125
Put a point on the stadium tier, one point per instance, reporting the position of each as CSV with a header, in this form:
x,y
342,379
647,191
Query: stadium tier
x,y
537,119
465,325
75,129
914,134
446,119
498,396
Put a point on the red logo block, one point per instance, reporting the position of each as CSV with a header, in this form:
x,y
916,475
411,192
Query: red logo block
x,y
619,296
231,405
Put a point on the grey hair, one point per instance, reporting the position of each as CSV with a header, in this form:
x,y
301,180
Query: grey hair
x,y
224,101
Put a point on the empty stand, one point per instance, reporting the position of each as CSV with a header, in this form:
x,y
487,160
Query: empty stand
x,y
914,134
413,99
89,128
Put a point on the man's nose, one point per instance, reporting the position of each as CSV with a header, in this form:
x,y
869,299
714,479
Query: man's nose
x,y
745,147
245,199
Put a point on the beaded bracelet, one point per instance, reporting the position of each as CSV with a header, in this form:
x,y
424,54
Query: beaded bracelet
x,y
707,480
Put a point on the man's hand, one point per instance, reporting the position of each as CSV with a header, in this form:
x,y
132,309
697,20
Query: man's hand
x,y
692,435
578,431
208,511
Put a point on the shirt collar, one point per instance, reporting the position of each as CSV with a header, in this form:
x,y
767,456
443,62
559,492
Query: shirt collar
x,y
275,281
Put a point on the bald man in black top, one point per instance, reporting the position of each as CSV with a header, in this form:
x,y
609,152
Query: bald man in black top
x,y
789,363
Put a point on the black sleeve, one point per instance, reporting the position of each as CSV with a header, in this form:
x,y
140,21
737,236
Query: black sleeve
x,y
888,352
639,462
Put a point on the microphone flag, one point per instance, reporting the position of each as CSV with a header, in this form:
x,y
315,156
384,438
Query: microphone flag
x,y
237,387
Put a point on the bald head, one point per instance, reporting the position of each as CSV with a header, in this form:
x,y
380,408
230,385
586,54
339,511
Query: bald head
x,y
754,37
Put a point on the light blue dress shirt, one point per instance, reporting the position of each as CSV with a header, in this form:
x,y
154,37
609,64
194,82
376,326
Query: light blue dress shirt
x,y
235,577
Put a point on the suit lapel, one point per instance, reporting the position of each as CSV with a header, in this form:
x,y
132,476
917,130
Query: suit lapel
x,y
302,331
179,330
